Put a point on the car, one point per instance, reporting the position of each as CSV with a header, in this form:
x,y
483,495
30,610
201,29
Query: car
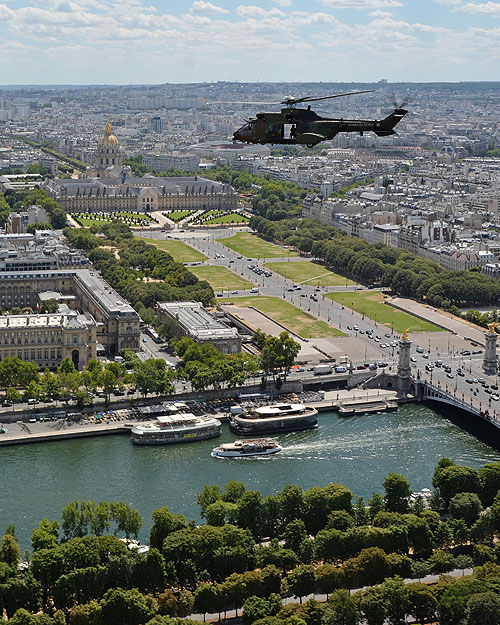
x,y
413,359
494,387
231,261
234,292
481,380
429,367
32,420
361,367
376,339
477,351
6,403
361,331
303,295
349,327
475,380
382,364
426,356
420,350
239,257
488,390
249,259
32,401
465,352
378,336
469,380
290,289
461,374
145,340
439,363
383,345
317,289
388,336
218,295
495,397
355,328
450,376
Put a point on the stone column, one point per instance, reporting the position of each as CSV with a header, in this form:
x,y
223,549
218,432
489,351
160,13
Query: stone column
x,y
490,353
404,367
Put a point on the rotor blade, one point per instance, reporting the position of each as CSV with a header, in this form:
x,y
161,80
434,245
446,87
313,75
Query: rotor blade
x,y
242,102
328,97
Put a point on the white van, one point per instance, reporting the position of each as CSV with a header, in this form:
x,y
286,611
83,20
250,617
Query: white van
x,y
254,290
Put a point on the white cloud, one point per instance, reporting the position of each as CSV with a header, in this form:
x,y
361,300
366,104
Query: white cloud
x,y
283,3
379,13
449,2
200,6
362,4
488,8
254,11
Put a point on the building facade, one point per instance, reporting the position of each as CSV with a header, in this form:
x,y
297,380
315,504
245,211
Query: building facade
x,y
47,339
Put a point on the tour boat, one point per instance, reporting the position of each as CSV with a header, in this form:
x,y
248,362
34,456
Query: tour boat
x,y
275,418
177,428
245,448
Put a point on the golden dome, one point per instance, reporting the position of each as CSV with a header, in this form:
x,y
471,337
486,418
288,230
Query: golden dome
x,y
108,138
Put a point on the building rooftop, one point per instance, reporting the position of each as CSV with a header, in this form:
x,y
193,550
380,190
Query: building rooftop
x,y
197,321
69,320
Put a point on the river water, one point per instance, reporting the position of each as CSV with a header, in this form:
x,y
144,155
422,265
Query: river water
x,y
38,480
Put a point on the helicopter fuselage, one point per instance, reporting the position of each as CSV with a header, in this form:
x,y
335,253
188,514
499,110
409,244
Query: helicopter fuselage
x,y
292,126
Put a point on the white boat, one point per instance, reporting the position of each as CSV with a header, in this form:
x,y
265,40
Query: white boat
x,y
176,428
246,448
275,418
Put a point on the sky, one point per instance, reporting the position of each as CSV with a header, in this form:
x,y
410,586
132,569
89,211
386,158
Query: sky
x,y
161,41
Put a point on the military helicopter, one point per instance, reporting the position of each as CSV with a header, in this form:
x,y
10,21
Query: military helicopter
x,y
299,126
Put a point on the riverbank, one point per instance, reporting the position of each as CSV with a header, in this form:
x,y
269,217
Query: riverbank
x,y
27,431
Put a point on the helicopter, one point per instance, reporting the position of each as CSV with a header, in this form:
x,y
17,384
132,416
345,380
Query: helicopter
x,y
299,126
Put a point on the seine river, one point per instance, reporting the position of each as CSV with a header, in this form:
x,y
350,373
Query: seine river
x,y
38,480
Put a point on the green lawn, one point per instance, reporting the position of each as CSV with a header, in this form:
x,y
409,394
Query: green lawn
x,y
299,321
180,251
178,215
231,218
371,304
309,273
252,246
220,278
86,220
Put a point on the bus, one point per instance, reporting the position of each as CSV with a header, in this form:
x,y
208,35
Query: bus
x,y
153,334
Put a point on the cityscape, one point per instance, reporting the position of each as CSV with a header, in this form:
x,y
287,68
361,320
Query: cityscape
x,y
249,313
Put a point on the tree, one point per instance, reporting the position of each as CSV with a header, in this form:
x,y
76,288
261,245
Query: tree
x,y
164,523
45,536
126,518
453,479
483,609
86,614
234,590
423,604
463,562
328,578
397,493
341,609
255,608
466,506
441,561
126,607
375,505
489,478
372,605
301,580
11,551
153,376
278,354
420,568
395,594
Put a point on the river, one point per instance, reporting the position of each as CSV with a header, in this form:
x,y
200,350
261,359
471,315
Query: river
x,y
39,479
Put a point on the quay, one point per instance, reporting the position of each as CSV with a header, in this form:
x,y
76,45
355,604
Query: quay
x,y
22,432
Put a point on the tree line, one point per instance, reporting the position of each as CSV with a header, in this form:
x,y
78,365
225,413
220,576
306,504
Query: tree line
x,y
402,271
252,551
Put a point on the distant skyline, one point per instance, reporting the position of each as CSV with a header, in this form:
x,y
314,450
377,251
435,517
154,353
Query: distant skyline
x,y
159,41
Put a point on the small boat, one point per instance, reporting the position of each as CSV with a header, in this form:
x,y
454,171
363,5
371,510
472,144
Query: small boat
x,y
246,448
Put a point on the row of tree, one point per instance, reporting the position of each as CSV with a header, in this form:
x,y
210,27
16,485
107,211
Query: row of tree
x,y
254,550
15,201
400,270
143,274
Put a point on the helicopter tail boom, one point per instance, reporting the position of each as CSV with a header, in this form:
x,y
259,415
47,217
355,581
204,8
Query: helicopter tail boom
x,y
387,124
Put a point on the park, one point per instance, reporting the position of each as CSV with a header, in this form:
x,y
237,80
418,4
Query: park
x,y
371,304
308,273
252,246
298,321
220,278
180,252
